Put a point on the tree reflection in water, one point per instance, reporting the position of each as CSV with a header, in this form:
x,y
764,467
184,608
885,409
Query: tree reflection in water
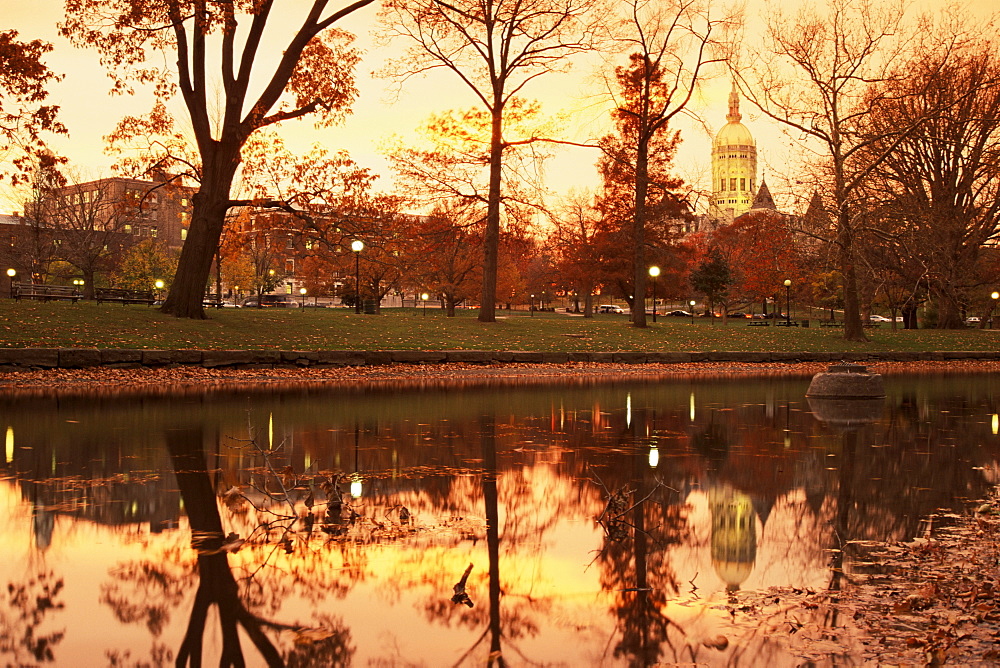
x,y
217,586
641,521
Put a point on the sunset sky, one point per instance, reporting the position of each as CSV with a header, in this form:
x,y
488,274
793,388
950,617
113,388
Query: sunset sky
x,y
90,113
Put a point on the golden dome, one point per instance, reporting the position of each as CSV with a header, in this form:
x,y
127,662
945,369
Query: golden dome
x,y
734,134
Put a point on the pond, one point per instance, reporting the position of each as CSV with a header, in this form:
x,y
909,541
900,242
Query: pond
x,y
588,523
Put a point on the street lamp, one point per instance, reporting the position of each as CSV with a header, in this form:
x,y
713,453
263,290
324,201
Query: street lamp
x,y
531,307
11,273
691,304
302,291
357,246
654,271
424,297
788,302
994,296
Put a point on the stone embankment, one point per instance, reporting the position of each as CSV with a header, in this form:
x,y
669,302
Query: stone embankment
x,y
29,359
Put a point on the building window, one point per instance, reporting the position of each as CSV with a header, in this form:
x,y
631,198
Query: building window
x,y
743,184
152,231
184,235
732,184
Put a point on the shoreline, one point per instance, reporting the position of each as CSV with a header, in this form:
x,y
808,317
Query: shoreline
x,y
188,378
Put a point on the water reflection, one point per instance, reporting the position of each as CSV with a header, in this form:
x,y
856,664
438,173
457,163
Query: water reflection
x,y
610,523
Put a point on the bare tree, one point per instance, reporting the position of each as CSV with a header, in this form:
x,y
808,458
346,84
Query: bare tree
x,y
31,250
91,225
941,186
495,48
815,75
312,75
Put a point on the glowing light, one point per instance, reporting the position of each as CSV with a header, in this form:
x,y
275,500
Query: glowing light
x,y
691,407
10,443
270,431
654,457
356,487
996,424
628,410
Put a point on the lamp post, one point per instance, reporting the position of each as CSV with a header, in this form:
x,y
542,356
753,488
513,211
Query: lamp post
x,y
691,304
654,271
11,273
424,297
993,304
788,302
78,284
302,292
158,284
357,246
531,307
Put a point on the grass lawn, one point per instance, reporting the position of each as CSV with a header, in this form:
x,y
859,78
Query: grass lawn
x,y
88,324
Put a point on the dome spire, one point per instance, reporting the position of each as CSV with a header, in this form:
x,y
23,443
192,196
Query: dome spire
x,y
734,115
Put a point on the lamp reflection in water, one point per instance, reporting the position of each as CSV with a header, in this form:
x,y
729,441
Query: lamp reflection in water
x,y
356,486
654,456
9,445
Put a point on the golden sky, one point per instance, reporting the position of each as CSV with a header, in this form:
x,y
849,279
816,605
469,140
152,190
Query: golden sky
x,y
90,113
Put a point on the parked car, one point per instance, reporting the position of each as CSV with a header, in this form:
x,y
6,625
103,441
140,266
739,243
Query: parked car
x,y
879,318
678,313
972,320
610,308
272,301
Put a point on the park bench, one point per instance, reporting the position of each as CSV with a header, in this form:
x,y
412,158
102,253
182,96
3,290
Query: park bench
x,y
786,323
45,292
830,323
123,296
758,323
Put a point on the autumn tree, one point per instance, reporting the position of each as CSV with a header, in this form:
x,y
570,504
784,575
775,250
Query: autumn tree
x,y
670,46
495,49
574,230
940,186
143,264
443,255
327,201
258,241
761,249
838,54
24,116
309,73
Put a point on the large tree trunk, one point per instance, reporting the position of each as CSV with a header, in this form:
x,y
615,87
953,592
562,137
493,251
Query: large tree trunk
x,y
639,234
210,205
491,236
853,330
